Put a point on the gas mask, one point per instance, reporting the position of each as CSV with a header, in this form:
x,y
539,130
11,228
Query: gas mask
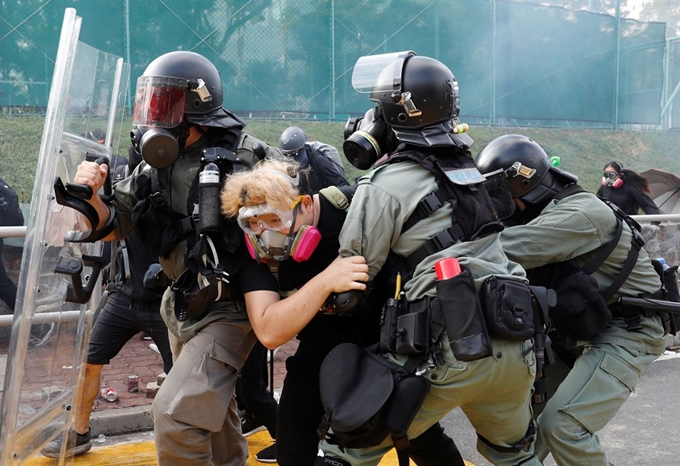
x,y
161,130
271,245
262,225
366,139
610,179
159,147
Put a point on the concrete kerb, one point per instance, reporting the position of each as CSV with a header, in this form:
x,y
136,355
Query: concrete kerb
x,y
120,421
128,420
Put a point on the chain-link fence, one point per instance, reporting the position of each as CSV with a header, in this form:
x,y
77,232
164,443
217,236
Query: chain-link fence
x,y
518,63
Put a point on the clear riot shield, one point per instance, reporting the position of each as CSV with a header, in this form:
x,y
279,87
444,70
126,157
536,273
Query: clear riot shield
x,y
59,283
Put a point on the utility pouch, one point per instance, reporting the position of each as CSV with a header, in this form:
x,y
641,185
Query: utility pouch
x,y
157,225
191,300
508,309
366,397
462,310
413,331
581,312
389,317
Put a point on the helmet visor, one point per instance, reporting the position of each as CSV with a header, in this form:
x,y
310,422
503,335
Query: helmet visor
x,y
379,72
497,186
159,101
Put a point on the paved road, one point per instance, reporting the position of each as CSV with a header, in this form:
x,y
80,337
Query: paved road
x,y
644,433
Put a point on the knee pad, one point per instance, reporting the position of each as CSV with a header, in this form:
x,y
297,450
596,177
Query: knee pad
x,y
330,461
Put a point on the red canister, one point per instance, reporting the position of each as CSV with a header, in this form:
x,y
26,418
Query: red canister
x,y
447,268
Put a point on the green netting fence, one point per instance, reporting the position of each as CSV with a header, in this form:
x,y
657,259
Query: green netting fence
x,y
517,63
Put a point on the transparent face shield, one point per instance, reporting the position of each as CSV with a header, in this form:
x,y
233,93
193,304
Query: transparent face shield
x,y
382,73
159,101
377,72
498,187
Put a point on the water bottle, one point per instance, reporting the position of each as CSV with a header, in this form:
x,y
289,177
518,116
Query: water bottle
x,y
209,199
663,263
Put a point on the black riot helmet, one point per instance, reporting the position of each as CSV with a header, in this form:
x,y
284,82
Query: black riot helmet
x,y
417,98
292,140
531,176
416,92
176,90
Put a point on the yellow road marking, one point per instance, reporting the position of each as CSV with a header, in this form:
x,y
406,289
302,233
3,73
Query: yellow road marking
x,y
144,454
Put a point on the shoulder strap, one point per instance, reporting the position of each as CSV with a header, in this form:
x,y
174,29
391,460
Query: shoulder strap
x,y
602,256
337,196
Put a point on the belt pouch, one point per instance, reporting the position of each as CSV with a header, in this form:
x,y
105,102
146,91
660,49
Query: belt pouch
x,y
192,301
508,309
413,331
463,316
388,325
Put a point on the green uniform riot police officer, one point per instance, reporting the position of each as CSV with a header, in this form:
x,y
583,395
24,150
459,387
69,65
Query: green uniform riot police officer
x,y
424,202
608,346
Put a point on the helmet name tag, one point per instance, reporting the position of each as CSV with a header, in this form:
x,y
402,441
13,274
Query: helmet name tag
x,y
465,176
198,86
522,170
406,102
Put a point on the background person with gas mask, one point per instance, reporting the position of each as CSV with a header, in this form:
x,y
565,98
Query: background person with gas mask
x,y
261,199
323,160
627,189
561,234
427,163
189,144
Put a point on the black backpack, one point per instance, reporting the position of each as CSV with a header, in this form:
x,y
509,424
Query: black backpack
x,y
10,212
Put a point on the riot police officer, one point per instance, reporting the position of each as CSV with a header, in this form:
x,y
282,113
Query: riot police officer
x,y
560,231
424,202
190,143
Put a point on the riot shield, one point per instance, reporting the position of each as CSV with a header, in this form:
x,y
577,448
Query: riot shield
x,y
59,282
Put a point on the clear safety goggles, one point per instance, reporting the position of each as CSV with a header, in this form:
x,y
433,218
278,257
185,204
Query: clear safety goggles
x,y
256,219
159,101
610,175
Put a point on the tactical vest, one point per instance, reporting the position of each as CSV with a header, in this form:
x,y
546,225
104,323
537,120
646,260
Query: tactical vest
x,y
211,257
458,181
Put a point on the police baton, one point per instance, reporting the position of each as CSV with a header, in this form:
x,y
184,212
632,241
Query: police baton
x,y
649,303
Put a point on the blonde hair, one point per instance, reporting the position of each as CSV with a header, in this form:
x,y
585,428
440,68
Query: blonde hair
x,y
269,182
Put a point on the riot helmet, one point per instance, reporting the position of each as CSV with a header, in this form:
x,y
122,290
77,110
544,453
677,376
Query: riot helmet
x,y
531,176
176,90
292,140
418,98
416,92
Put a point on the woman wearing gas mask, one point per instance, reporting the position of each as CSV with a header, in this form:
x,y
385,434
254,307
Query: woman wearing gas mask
x,y
298,232
626,189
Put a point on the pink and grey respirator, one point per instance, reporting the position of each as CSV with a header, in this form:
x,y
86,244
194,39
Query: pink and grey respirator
x,y
262,225
609,179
